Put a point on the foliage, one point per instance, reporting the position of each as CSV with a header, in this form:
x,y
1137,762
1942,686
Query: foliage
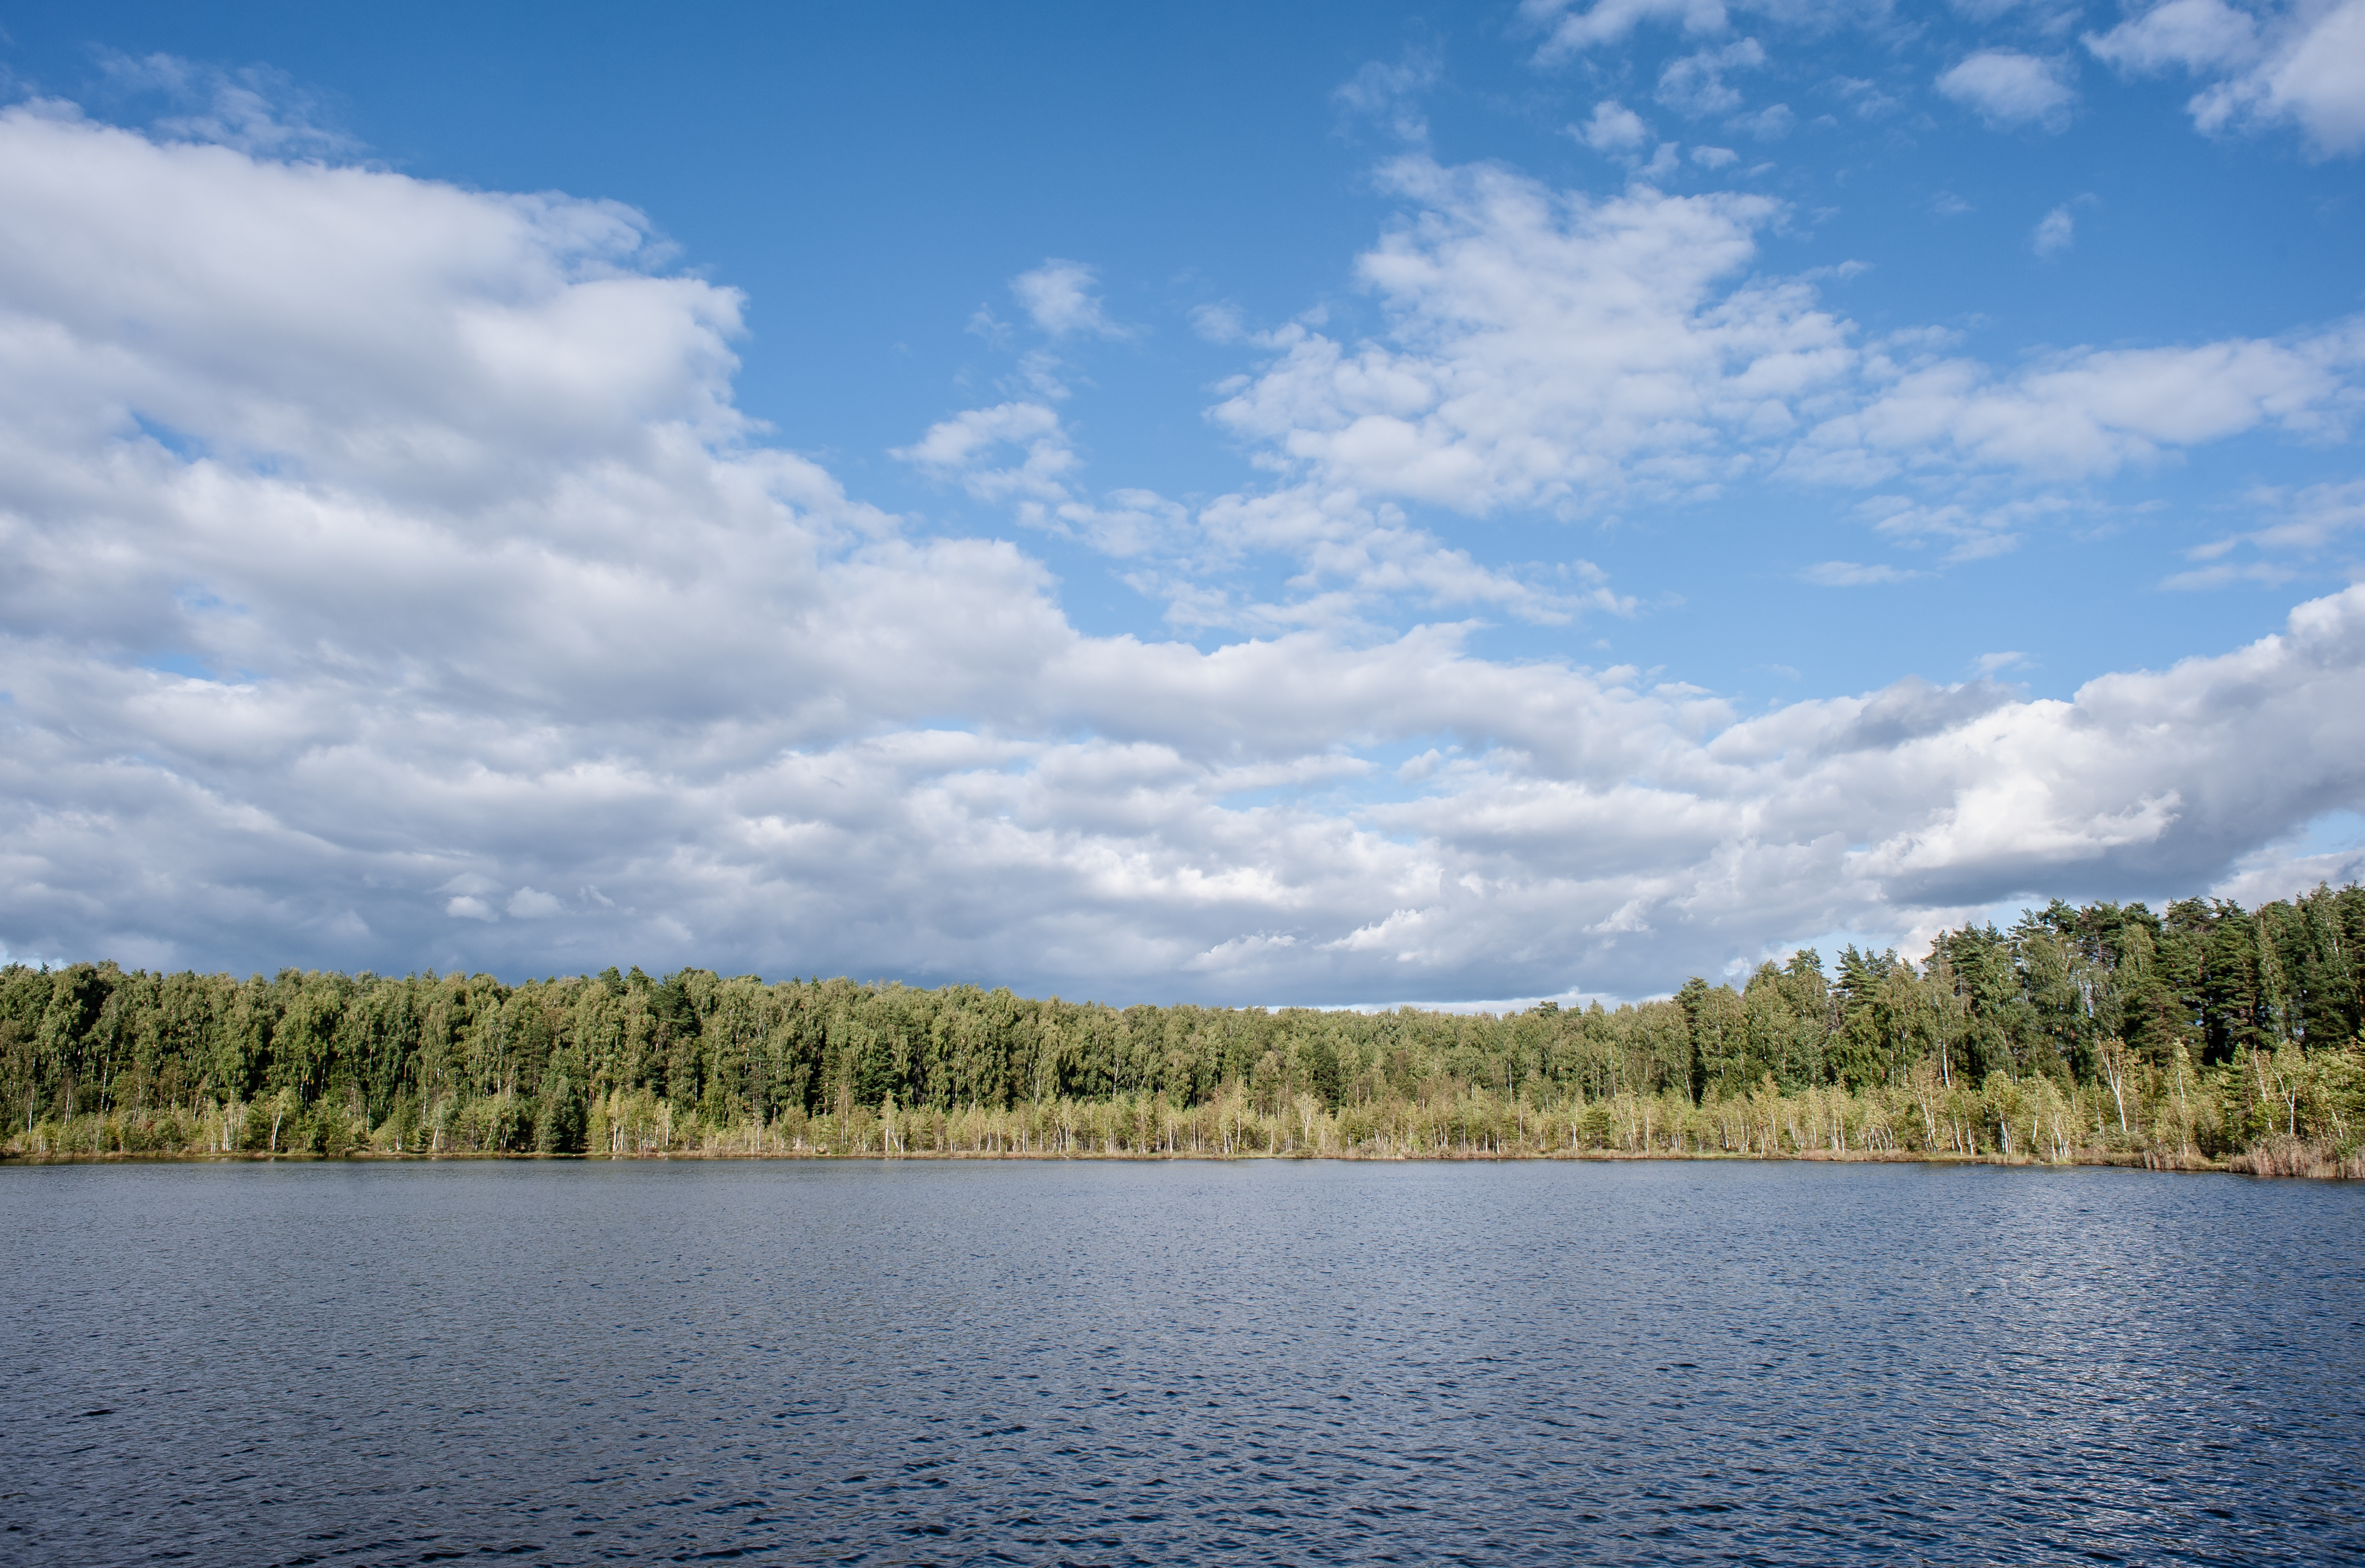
x,y
2103,1032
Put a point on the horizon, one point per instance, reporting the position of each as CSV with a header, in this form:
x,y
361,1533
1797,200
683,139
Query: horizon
x,y
1476,1007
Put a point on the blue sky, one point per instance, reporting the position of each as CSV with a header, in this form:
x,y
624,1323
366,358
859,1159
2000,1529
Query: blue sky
x,y
1349,505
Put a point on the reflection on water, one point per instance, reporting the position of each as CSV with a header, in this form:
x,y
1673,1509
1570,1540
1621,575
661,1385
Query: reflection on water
x,y
1108,1363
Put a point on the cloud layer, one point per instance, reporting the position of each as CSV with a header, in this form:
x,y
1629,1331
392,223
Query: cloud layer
x,y
395,583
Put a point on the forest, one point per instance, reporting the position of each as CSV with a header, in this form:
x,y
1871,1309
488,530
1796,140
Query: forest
x,y
2208,1035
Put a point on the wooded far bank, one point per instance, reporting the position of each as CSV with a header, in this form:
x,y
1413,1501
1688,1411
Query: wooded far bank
x,y
2208,1034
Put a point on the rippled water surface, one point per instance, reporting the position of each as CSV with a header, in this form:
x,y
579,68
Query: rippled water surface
x,y
1113,1363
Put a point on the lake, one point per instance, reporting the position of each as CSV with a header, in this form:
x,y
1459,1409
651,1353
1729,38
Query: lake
x,y
1181,1363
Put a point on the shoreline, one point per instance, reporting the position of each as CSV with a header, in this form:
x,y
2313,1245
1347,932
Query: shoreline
x,y
2193,1165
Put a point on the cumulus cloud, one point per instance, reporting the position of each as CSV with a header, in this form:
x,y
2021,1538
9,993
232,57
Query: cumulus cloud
x,y
2301,65
1020,454
530,903
1544,347
1551,350
966,448
1572,30
389,559
2008,89
1614,128
1934,796
2197,35
1351,553
1057,297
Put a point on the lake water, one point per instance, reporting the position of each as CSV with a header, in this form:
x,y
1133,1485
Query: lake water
x,y
1041,1362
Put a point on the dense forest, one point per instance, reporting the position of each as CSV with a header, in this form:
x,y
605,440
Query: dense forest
x,y
2207,1035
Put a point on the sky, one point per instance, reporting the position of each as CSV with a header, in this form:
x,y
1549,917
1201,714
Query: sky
x,y
1341,505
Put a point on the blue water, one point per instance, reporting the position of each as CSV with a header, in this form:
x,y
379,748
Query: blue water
x,y
1035,1362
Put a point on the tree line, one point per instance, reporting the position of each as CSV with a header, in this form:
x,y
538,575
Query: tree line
x,y
2208,1033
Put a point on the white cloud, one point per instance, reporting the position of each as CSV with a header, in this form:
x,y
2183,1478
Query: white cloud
x,y
2311,519
1771,123
1695,84
974,448
1350,555
1242,955
2197,35
497,592
2299,64
1353,554
527,903
1971,533
966,446
1608,21
2284,869
2007,88
1549,350
2085,411
1864,96
1544,347
1851,574
1218,322
254,109
1614,128
2226,574
1715,157
984,323
1058,296
1391,94
2295,526
2055,233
